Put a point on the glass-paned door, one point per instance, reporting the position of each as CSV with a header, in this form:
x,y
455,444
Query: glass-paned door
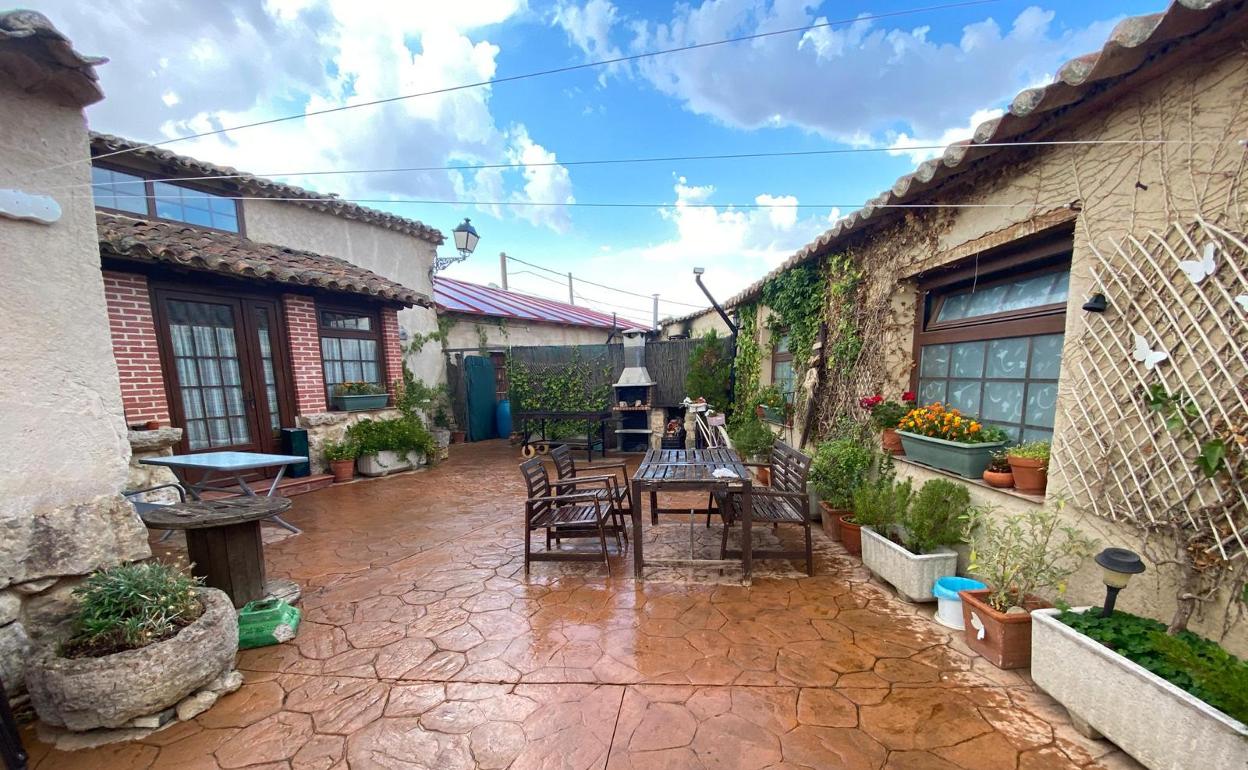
x,y
227,377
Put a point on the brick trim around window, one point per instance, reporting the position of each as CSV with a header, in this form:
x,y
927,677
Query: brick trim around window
x,y
135,348
392,347
303,333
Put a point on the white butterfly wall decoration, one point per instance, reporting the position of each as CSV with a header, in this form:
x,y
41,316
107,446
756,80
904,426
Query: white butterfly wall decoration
x,y
1146,355
1199,269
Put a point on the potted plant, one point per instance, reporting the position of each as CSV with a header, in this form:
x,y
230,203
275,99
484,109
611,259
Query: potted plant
x,y
358,396
911,552
341,458
885,415
143,637
388,446
1017,557
772,406
1030,465
838,469
946,439
1162,698
753,440
998,473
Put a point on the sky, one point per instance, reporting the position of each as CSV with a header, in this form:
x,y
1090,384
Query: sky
x,y
913,75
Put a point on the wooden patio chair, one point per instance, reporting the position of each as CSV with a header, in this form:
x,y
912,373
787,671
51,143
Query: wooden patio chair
x,y
581,514
617,492
784,502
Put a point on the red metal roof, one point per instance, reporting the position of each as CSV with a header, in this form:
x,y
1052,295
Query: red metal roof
x,y
462,297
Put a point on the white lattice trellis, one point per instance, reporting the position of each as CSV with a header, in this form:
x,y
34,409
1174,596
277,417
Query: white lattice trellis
x,y
1118,456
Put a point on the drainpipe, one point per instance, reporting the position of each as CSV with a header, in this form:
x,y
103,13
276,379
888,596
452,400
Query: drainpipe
x,y
697,276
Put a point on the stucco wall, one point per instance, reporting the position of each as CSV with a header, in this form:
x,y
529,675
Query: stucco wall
x,y
61,420
1121,190
403,258
466,332
698,325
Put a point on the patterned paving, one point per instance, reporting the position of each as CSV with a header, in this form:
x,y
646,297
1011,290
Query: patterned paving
x,y
423,646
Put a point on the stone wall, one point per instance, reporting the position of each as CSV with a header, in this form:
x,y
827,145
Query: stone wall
x,y
469,332
332,426
61,419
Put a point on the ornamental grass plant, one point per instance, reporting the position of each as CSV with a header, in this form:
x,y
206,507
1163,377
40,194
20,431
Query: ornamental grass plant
x,y
130,606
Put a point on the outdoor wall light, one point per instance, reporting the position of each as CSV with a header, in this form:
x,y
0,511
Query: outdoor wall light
x,y
699,270
465,243
1117,567
1096,303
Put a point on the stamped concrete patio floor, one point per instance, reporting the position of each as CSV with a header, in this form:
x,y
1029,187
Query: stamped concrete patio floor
x,y
424,646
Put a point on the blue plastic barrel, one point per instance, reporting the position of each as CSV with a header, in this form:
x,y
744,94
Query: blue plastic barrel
x,y
502,418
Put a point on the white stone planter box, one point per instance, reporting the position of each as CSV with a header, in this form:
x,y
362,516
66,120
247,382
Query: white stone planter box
x,y
1162,726
914,576
388,462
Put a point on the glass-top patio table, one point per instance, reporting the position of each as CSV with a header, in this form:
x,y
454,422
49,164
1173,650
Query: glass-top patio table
x,y
227,466
689,470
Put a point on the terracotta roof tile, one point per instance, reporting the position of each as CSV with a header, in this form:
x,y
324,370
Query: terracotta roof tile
x,y
258,186
39,59
1133,41
190,247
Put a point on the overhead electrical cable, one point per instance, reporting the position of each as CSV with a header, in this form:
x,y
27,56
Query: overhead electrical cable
x,y
601,285
542,73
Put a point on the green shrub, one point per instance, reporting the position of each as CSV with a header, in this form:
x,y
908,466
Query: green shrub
x,y
710,371
839,468
1188,661
750,436
401,434
1032,450
130,606
340,450
1024,553
881,504
1000,462
936,516
770,397
358,389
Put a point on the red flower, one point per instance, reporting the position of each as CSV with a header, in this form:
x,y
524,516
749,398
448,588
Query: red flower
x,y
909,397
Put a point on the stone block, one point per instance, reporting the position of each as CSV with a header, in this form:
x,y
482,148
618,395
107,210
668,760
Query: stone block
x,y
14,651
69,540
10,605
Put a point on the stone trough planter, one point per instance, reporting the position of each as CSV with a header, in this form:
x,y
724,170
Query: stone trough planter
x,y
114,691
913,575
388,461
1149,718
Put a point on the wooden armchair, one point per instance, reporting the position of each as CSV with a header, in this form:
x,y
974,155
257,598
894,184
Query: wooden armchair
x,y
786,501
617,493
580,514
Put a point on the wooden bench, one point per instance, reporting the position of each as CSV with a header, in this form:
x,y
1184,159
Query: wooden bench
x,y
785,502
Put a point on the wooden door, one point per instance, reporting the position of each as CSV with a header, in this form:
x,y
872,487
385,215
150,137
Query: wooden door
x,y
225,369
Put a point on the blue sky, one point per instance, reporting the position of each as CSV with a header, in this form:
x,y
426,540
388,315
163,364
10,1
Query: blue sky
x,y
927,77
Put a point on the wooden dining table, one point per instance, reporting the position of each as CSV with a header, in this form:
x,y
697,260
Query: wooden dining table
x,y
692,470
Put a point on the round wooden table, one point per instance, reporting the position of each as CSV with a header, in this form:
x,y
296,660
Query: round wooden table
x,y
223,540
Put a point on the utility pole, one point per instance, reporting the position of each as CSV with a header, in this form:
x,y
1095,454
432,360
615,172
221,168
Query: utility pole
x,y
571,296
656,312
502,266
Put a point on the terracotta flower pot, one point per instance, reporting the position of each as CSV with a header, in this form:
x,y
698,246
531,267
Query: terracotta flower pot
x,y
457,437
343,470
1006,638
764,476
830,518
1030,476
999,479
151,425
759,413
851,535
891,442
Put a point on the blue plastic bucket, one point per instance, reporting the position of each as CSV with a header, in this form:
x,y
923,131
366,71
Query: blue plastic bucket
x,y
949,604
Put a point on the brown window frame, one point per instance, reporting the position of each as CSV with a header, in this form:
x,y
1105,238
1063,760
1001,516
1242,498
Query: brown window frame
x,y
781,358
1048,252
149,197
375,334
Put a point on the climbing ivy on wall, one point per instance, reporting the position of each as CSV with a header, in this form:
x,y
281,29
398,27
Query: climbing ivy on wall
x,y
796,299
419,339
574,385
845,337
749,358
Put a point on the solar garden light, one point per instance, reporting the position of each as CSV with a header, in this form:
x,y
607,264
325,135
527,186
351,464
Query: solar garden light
x,y
1117,567
465,243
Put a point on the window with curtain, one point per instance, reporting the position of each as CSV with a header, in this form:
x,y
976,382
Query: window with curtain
x,y
992,345
782,365
350,347
134,194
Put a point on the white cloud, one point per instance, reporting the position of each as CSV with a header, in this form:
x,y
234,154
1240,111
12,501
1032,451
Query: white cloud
x,y
286,56
862,82
589,27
